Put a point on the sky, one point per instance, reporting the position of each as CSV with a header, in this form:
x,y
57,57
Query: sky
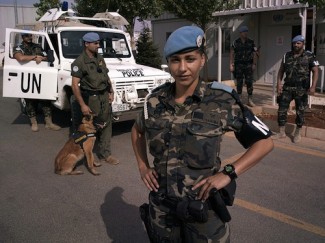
x,y
27,2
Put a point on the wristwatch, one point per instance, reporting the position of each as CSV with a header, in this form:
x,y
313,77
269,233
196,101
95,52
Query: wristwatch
x,y
229,170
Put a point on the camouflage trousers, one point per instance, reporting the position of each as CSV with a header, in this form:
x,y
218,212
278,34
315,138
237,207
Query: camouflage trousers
x,y
32,105
299,95
165,227
244,72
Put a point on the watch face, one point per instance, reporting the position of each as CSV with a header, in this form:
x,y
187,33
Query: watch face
x,y
229,168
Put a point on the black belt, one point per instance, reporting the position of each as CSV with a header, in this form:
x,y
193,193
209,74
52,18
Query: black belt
x,y
94,92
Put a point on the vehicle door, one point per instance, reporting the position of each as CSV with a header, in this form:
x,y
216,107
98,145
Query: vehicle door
x,y
29,79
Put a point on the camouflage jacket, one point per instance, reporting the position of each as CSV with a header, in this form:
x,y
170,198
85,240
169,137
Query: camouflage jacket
x,y
185,139
244,52
29,50
297,69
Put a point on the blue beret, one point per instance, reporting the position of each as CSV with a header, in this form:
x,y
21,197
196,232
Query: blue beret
x,y
243,28
91,37
184,39
298,38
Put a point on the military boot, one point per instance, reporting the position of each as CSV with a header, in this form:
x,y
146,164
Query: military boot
x,y
250,101
111,160
297,135
33,122
50,125
281,134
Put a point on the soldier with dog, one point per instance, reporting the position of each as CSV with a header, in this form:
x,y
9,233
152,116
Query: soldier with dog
x,y
95,93
183,123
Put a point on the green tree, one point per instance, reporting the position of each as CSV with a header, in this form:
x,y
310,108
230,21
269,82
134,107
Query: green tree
x,y
148,53
320,4
44,5
143,9
129,9
198,12
88,8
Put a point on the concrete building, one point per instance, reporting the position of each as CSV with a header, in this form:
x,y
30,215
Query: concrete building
x,y
12,16
272,24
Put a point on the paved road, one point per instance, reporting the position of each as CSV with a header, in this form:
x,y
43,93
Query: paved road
x,y
279,200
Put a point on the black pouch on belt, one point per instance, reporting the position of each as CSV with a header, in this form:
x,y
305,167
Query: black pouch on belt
x,y
192,210
219,200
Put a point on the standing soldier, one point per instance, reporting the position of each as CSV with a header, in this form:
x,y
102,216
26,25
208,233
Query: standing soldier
x,y
95,93
243,61
296,65
25,52
182,124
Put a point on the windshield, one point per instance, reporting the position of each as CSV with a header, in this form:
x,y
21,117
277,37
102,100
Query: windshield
x,y
112,45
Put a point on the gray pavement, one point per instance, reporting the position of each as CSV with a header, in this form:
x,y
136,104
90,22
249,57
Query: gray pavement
x,y
279,200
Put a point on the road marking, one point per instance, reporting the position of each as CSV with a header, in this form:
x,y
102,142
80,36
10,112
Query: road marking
x,y
291,147
281,217
273,214
300,150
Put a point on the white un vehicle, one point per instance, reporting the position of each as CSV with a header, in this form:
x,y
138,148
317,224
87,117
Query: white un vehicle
x,y
61,38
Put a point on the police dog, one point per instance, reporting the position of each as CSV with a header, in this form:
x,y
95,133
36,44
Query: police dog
x,y
76,148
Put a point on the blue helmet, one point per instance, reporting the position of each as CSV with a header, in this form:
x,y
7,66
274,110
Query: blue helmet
x,y
184,39
298,38
91,37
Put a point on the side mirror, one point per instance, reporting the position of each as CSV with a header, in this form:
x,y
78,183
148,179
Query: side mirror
x,y
164,67
50,57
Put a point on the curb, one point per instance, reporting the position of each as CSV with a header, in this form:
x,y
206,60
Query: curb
x,y
309,132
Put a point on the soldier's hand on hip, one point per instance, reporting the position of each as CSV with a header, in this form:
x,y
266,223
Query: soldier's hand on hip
x,y
217,181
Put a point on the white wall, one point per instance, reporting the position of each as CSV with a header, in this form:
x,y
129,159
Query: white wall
x,y
26,14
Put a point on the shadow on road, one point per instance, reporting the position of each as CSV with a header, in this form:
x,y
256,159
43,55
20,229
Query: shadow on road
x,y
122,127
122,220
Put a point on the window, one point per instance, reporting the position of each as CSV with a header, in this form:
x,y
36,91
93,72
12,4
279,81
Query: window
x,y
112,45
225,40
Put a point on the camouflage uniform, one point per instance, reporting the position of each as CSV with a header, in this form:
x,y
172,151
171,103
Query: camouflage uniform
x,y
185,143
33,49
243,60
95,87
296,84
